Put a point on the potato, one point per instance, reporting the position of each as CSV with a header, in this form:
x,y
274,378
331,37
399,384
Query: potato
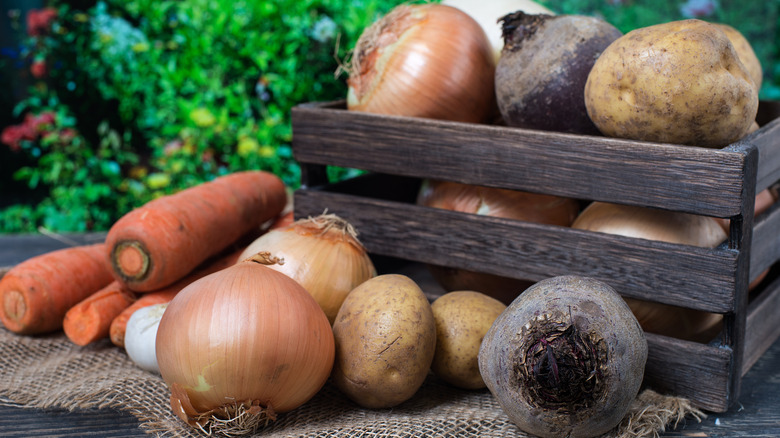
x,y
385,340
462,319
678,82
744,52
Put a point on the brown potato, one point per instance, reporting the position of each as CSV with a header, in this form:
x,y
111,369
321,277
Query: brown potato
x,y
462,319
678,82
385,340
744,52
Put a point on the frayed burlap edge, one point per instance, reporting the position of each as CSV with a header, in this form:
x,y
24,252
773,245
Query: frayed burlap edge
x,y
50,372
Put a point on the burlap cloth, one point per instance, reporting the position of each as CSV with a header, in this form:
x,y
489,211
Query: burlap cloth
x,y
51,372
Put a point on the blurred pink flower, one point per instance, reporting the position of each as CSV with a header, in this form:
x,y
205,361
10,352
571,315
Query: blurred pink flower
x,y
39,21
14,134
39,69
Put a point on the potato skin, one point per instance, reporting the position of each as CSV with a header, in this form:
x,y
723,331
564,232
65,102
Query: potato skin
x,y
462,319
678,82
385,341
745,53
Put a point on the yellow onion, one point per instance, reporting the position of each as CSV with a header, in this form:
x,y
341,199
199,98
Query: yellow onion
x,y
424,60
321,253
666,226
487,201
487,14
241,345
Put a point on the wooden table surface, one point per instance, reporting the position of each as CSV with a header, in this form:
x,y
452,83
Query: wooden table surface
x,y
756,413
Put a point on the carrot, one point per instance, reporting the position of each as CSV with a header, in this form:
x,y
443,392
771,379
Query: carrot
x,y
166,294
37,293
90,319
159,243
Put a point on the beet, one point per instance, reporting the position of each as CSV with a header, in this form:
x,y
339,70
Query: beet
x,y
566,358
545,62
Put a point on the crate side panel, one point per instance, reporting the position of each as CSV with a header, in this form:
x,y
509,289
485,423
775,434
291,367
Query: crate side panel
x,y
762,329
767,141
765,248
635,267
687,369
691,179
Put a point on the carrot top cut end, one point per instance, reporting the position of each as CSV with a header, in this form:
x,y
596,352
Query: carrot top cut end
x,y
131,260
14,310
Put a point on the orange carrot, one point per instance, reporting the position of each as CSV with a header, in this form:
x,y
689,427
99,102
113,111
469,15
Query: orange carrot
x,y
159,243
166,294
37,293
90,319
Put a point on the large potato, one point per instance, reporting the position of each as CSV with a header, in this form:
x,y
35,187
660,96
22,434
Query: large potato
x,y
744,52
385,340
462,319
678,82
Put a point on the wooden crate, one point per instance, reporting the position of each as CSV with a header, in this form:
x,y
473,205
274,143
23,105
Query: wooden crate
x,y
398,152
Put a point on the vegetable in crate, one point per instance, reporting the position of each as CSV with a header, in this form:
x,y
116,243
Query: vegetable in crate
x,y
666,226
38,292
159,243
385,341
488,201
423,60
679,82
540,77
487,14
321,253
745,53
241,345
462,319
565,359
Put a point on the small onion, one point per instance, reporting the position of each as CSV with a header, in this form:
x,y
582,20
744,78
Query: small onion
x,y
424,60
241,345
321,253
487,13
666,226
140,336
487,201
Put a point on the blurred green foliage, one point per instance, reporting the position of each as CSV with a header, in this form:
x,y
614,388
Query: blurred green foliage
x,y
129,100
154,96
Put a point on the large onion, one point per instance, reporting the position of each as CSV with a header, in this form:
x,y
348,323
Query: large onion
x,y
424,60
666,226
241,345
487,201
321,253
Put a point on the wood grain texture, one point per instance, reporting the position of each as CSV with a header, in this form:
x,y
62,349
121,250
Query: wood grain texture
x,y
762,327
691,179
638,268
699,372
765,250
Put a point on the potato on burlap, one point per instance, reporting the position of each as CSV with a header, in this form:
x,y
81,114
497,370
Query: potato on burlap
x,y
678,82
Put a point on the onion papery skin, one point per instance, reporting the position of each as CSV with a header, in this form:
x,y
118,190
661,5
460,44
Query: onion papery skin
x,y
321,253
246,335
666,226
487,201
424,60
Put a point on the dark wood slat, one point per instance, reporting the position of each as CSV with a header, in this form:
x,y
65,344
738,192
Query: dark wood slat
x,y
692,277
767,141
762,327
765,250
691,179
696,371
